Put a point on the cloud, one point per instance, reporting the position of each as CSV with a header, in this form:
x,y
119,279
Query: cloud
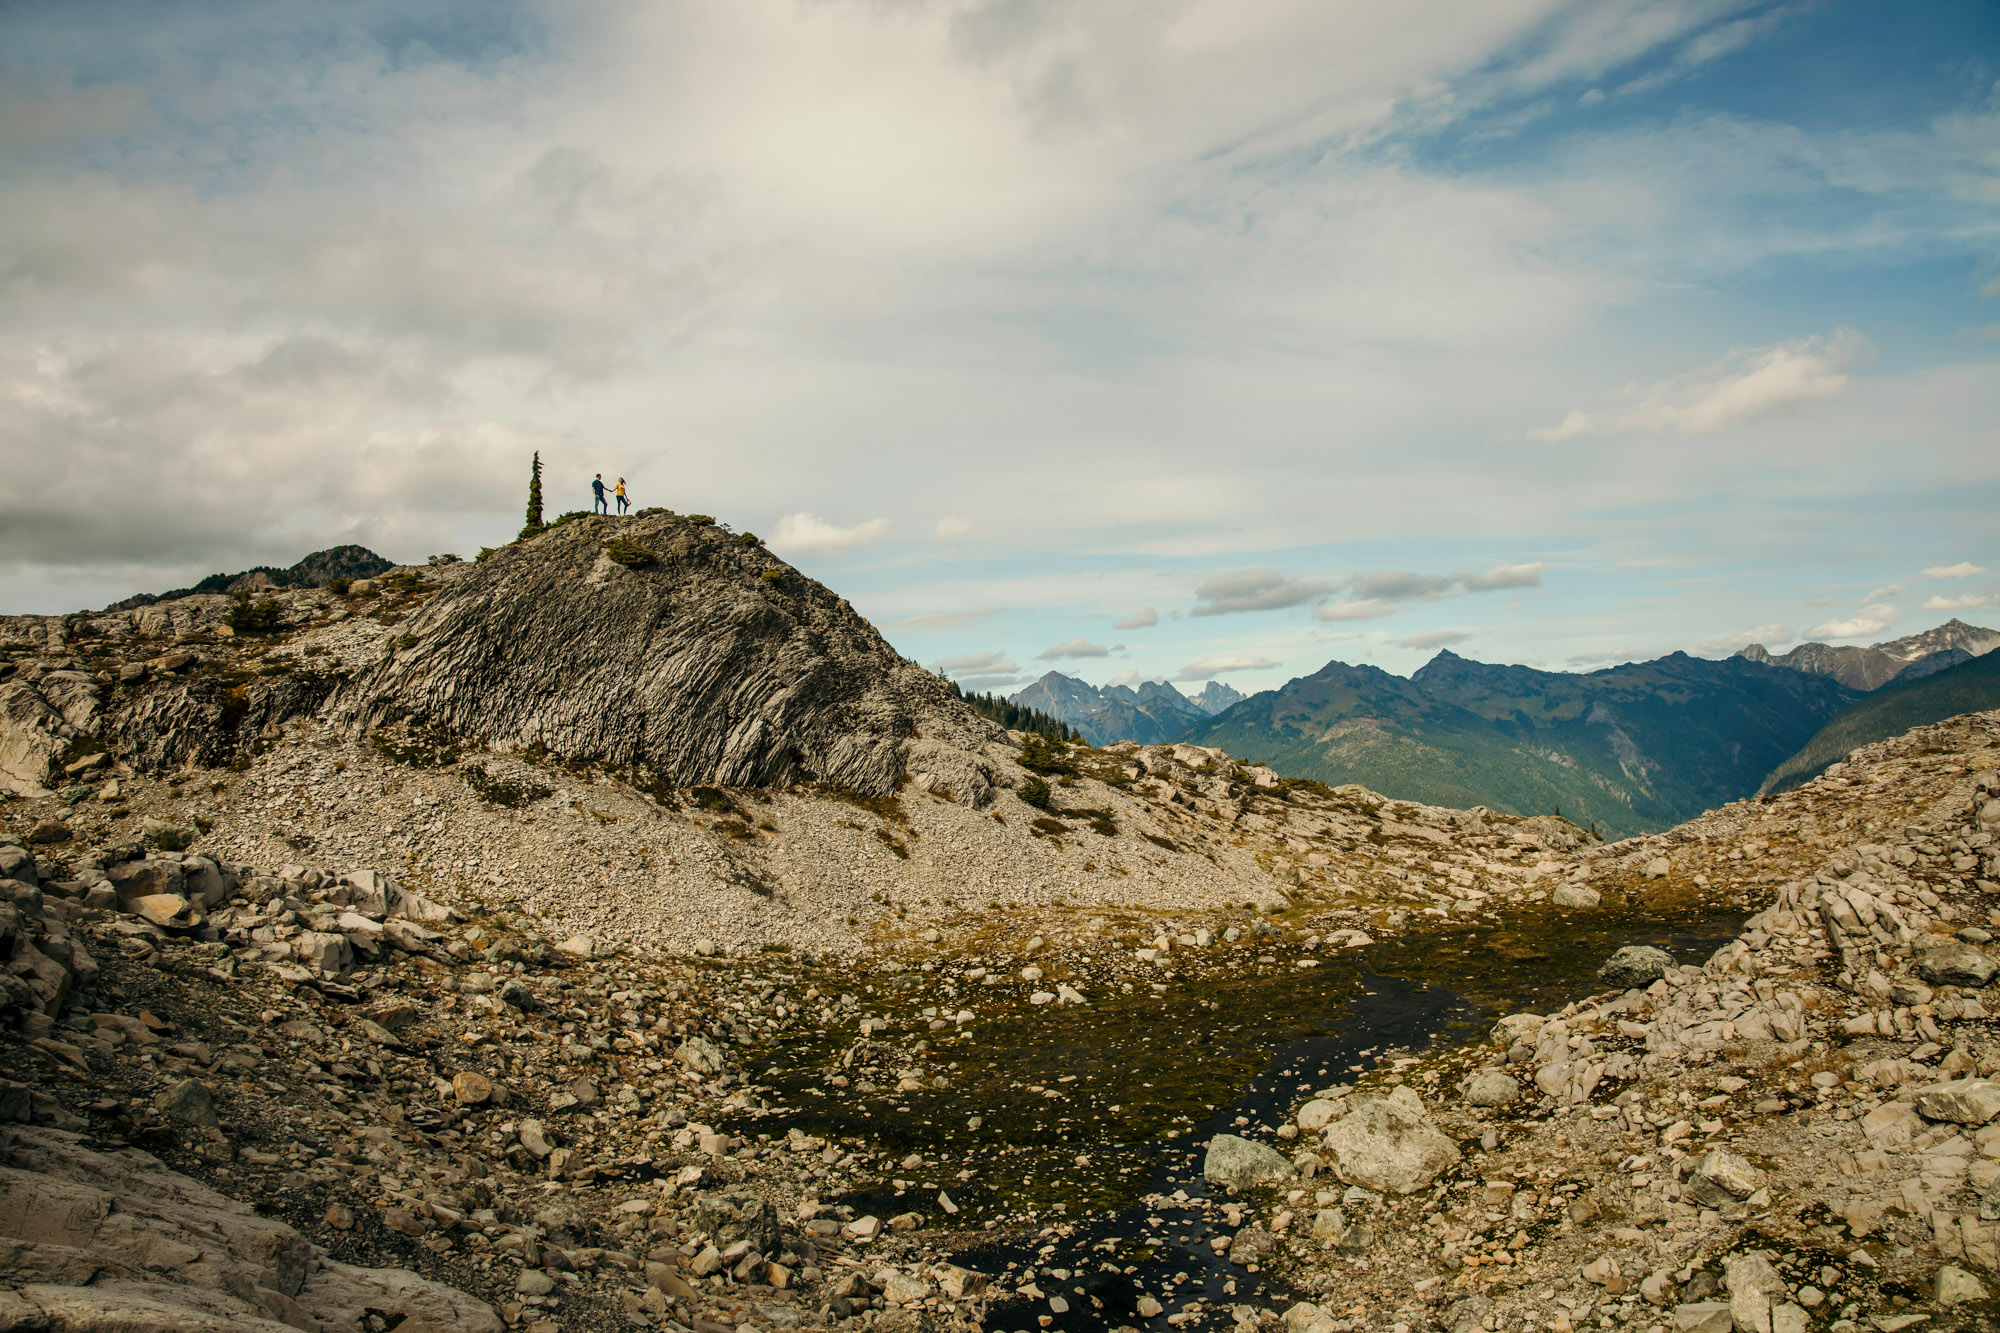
x,y
976,663
1964,569
1434,638
980,671
1145,619
1217,664
1255,590
1367,596
1748,383
1503,576
1971,601
1072,648
943,620
1873,618
805,533
1886,591
1366,608
1722,645
949,528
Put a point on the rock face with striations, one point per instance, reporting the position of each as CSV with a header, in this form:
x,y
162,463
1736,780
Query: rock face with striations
x,y
710,661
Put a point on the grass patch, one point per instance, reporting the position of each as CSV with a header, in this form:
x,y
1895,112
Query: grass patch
x,y
1043,754
1037,793
262,616
629,553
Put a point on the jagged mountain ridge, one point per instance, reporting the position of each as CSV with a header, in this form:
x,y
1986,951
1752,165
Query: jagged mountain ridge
x,y
1633,747
314,571
1150,713
1908,658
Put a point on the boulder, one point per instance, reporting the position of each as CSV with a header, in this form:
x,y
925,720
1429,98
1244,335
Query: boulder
x,y
168,911
1636,965
1317,1114
1954,1286
1515,1029
1964,1101
1386,1146
1703,1317
1575,895
189,1103
702,1056
1305,1317
729,1218
1723,1177
1754,1286
138,879
17,863
1953,963
1490,1087
1241,1163
324,950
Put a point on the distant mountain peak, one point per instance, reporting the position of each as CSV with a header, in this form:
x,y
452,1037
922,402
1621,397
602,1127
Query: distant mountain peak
x,y
1878,664
1147,711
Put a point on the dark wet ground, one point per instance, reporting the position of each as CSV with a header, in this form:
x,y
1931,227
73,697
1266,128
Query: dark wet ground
x,y
1154,1077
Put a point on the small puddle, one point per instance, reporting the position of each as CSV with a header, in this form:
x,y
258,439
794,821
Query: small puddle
x,y
1083,1114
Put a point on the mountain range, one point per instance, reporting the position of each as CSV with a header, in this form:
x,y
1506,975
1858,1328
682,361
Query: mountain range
x,y
1631,748
1150,712
1880,664
1970,686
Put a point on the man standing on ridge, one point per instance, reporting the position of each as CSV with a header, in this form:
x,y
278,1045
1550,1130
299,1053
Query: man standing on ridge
x,y
597,490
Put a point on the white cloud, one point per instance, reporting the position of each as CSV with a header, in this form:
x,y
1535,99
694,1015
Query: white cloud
x,y
1434,638
1886,591
980,671
1749,383
1072,648
1145,619
808,534
1971,601
943,620
1722,645
1366,608
1873,618
1217,664
1255,590
950,529
976,663
1964,569
1367,594
1503,576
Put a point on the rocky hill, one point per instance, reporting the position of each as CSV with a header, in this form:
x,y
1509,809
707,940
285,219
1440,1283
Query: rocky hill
x,y
1630,748
1871,668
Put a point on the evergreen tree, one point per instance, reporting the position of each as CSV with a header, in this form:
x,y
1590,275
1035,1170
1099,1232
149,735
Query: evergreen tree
x,y
534,496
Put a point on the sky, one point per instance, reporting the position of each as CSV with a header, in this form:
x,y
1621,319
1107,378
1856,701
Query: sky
x,y
1182,340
